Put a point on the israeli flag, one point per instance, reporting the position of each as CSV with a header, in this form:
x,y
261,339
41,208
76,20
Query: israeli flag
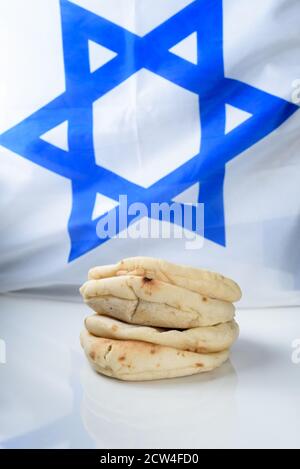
x,y
164,128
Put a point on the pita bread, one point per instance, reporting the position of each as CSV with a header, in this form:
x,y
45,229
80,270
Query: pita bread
x,y
201,281
198,339
155,303
139,361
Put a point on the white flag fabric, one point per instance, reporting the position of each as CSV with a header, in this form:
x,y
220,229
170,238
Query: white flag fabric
x,y
192,101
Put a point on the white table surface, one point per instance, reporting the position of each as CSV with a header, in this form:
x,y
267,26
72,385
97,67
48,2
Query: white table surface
x,y
50,398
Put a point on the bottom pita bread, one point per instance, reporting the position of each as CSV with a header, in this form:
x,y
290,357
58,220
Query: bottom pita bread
x,y
140,361
199,339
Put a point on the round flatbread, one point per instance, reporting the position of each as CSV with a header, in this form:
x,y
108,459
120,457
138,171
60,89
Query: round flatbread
x,y
140,361
201,281
154,303
198,339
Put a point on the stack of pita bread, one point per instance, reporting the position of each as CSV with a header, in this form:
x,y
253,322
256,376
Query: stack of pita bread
x,y
157,320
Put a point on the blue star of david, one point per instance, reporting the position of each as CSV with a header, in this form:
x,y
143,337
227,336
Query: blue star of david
x,y
206,79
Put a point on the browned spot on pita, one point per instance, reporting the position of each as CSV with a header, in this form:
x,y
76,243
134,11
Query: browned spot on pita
x,y
114,328
152,351
92,355
122,358
147,280
204,299
199,365
149,284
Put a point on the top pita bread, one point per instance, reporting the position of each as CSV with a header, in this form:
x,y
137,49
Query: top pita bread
x,y
201,281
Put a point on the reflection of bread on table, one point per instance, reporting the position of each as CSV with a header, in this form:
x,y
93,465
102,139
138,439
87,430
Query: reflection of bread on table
x,y
160,414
